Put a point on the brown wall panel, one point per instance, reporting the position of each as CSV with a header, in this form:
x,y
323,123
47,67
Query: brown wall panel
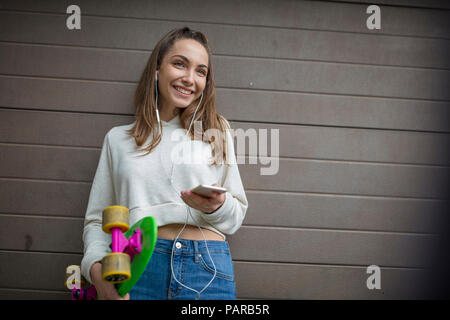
x,y
362,115
266,208
306,142
265,42
322,15
235,104
232,72
299,281
299,245
324,176
311,281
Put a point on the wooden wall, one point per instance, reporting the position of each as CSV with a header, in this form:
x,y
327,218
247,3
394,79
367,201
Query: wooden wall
x,y
363,119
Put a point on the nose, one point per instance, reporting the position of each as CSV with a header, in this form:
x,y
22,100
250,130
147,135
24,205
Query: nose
x,y
188,77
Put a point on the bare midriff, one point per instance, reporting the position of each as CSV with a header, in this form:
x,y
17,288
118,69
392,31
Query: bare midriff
x,y
190,232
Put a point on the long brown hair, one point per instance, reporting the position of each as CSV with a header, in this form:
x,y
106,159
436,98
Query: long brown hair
x,y
145,108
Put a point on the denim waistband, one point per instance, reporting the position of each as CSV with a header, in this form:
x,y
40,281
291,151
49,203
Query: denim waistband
x,y
191,246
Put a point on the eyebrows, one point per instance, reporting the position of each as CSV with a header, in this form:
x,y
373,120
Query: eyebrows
x,y
187,60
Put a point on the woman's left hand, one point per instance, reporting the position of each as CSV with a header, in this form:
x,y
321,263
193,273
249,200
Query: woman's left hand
x,y
205,204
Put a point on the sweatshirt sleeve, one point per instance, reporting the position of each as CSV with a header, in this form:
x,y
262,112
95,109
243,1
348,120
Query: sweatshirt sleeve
x,y
229,217
96,242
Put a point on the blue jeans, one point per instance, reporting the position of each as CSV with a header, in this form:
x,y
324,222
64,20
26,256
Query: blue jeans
x,y
192,267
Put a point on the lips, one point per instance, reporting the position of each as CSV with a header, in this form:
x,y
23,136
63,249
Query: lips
x,y
185,89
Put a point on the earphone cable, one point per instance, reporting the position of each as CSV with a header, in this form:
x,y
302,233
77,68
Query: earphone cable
x,y
188,212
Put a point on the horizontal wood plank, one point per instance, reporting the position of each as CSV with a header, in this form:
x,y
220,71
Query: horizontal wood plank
x,y
293,281
310,142
275,43
287,281
19,270
51,234
319,15
232,72
266,208
235,104
329,143
306,210
404,3
48,234
318,176
24,294
333,247
346,178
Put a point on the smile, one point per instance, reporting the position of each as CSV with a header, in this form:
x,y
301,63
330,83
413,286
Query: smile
x,y
182,92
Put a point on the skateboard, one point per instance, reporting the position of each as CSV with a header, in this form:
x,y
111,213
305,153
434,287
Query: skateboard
x,y
131,248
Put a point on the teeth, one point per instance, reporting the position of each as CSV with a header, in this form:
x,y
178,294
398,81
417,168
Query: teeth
x,y
182,90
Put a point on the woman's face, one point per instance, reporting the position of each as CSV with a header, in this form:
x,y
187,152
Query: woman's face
x,y
185,65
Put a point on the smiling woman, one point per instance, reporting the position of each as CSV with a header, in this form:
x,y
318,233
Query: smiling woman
x,y
191,259
182,74
180,66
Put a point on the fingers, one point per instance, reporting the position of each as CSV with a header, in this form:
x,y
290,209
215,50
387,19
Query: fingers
x,y
201,203
198,202
194,200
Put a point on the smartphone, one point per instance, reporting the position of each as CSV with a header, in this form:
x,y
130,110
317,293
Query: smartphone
x,y
206,191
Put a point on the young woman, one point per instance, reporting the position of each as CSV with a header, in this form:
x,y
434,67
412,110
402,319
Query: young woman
x,y
175,105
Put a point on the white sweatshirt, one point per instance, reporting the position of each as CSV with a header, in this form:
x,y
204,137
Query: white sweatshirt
x,y
142,184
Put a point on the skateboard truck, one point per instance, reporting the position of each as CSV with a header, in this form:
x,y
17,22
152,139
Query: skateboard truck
x,y
120,243
131,250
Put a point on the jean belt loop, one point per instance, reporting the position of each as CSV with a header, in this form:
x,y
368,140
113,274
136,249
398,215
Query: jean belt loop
x,y
196,251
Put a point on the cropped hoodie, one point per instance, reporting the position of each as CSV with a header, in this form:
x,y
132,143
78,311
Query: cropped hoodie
x,y
143,185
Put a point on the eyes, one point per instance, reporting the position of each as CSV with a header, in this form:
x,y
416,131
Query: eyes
x,y
179,63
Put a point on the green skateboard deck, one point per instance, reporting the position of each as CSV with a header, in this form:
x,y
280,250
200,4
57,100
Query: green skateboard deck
x,y
149,233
